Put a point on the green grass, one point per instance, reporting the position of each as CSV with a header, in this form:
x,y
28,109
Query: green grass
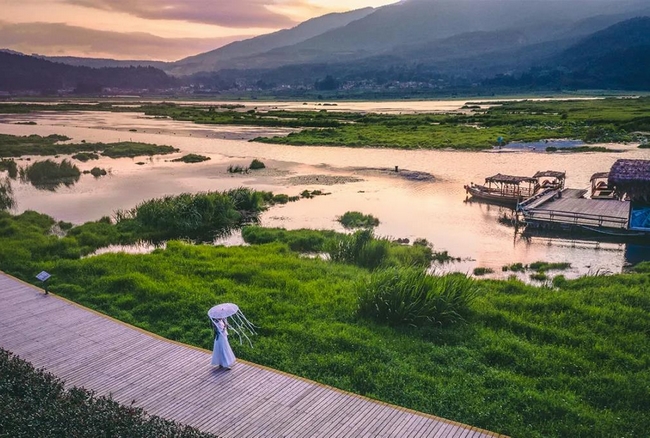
x,y
528,362
34,403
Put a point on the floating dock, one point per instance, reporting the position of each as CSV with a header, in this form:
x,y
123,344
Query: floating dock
x,y
567,209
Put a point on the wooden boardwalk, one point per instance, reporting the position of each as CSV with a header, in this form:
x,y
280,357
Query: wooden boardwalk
x,y
175,381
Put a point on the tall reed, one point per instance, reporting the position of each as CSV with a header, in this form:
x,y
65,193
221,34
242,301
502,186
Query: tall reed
x,y
409,296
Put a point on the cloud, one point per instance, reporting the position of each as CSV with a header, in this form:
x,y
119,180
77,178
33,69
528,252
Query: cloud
x,y
228,13
56,39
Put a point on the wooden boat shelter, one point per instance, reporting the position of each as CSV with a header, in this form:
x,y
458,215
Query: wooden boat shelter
x,y
510,186
550,179
631,180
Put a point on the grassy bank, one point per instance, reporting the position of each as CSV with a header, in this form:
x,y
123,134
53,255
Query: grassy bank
x,y
528,362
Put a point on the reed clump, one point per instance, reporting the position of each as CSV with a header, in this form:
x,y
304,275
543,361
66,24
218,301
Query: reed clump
x,y
409,296
49,174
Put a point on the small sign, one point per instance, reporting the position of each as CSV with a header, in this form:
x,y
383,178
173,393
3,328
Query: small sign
x,y
43,276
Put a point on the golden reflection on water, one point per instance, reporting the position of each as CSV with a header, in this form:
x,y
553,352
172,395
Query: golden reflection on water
x,y
434,210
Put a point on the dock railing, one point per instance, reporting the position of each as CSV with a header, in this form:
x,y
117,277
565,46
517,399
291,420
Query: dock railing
x,y
573,218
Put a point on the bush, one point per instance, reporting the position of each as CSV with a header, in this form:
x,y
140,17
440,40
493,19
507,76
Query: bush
x,y
409,296
7,200
49,174
35,403
256,164
355,219
97,172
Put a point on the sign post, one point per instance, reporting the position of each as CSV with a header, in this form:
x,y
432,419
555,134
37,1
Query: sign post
x,y
43,276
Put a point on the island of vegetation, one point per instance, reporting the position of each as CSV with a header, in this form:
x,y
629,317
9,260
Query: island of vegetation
x,y
17,146
611,120
367,318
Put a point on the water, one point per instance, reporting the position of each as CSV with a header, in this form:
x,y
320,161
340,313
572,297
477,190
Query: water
x,y
435,210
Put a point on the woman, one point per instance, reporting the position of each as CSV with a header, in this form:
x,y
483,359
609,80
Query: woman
x,y
222,354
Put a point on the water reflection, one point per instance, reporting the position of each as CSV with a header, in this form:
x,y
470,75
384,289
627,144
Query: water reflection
x,y
7,199
50,175
481,234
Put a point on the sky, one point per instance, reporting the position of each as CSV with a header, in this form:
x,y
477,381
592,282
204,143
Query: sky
x,y
165,30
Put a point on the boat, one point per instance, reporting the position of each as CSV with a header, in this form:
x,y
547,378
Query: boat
x,y
510,189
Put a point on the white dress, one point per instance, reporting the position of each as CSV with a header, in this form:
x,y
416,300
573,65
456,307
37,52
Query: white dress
x,y
222,354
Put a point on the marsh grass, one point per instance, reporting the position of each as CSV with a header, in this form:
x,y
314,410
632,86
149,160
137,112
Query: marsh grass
x,y
7,200
355,219
409,296
482,271
85,156
49,174
16,146
9,166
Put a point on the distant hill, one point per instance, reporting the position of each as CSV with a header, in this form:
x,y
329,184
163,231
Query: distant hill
x,y
219,58
27,73
101,62
615,58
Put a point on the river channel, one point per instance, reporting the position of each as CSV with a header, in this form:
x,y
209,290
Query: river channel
x,y
356,179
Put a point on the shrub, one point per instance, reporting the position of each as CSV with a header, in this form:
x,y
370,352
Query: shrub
x,y
256,164
409,296
355,219
36,403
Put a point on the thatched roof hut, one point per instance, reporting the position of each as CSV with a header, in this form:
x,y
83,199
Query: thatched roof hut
x,y
631,178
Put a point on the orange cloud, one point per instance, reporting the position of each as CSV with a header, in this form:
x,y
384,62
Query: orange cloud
x,y
60,39
239,14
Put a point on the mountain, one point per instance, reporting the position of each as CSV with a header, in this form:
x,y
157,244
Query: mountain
x,y
615,58
218,59
28,73
423,27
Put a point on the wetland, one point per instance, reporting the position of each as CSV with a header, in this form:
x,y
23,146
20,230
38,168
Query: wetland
x,y
554,348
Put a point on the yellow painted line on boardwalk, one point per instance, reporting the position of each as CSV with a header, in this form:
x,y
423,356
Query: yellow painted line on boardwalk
x,y
304,379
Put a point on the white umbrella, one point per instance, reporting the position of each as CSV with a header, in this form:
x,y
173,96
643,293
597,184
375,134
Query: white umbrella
x,y
223,310
237,323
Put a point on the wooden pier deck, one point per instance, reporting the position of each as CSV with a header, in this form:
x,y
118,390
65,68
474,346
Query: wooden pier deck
x,y
176,381
572,209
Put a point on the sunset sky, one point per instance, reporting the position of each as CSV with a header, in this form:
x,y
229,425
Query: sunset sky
x,y
150,29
